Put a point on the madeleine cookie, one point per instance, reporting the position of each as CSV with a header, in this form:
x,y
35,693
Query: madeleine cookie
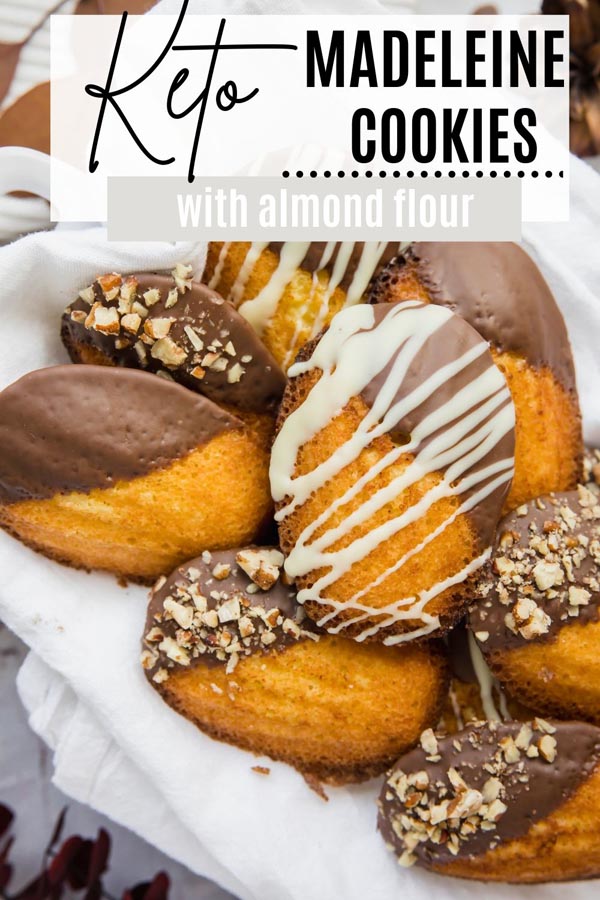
x,y
537,619
228,647
500,291
474,694
290,291
512,802
115,469
172,325
390,469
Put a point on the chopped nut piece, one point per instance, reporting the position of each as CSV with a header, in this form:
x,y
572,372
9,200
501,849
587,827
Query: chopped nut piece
x,y
221,571
261,565
578,596
157,328
151,296
131,322
230,610
182,276
547,748
509,749
171,648
172,298
109,282
235,373
194,338
548,575
429,742
168,352
106,319
183,615
88,295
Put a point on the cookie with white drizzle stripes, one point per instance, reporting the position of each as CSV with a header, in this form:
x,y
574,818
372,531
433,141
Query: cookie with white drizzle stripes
x,y
227,646
499,290
393,457
290,290
511,801
536,617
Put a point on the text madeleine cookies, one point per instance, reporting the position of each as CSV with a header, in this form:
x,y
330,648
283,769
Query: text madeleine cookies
x,y
228,647
391,464
499,290
117,469
514,802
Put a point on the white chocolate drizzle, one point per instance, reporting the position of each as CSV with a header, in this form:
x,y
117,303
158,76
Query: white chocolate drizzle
x,y
259,310
216,275
455,440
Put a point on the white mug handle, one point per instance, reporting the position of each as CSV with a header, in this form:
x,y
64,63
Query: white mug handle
x,y
22,169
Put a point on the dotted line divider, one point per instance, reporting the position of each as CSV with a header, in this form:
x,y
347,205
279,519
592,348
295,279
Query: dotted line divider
x,y
422,174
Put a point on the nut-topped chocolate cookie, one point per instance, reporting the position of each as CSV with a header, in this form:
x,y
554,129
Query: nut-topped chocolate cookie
x,y
110,468
499,290
221,607
505,801
227,645
175,326
537,617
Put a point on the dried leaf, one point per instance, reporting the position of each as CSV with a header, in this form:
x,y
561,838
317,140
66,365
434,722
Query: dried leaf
x,y
9,58
59,868
157,889
98,859
78,866
58,829
5,875
6,819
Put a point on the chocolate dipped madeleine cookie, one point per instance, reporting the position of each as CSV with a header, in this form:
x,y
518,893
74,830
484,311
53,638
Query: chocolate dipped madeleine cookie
x,y
228,647
173,326
536,621
114,469
510,801
500,291
290,291
392,461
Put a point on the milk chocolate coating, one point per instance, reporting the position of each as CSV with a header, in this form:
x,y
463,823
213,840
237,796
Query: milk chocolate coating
x,y
444,347
459,654
259,387
488,613
313,259
548,784
500,291
198,573
75,428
